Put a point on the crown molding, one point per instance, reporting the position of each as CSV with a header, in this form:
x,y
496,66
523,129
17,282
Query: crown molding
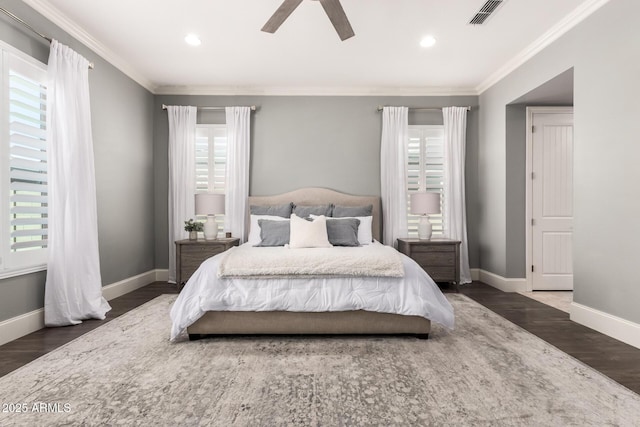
x,y
76,31
553,34
313,91
80,34
73,29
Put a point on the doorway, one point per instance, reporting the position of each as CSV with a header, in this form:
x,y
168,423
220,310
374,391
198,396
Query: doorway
x,y
549,198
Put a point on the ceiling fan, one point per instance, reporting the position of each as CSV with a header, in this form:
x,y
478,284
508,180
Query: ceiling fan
x,y
332,8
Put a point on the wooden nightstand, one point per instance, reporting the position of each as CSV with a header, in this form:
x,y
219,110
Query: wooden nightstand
x,y
191,253
440,258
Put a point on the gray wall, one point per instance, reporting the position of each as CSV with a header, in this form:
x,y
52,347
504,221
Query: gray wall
x,y
303,141
122,120
516,157
604,53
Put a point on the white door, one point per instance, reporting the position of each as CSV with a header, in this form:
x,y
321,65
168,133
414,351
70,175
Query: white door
x,y
552,200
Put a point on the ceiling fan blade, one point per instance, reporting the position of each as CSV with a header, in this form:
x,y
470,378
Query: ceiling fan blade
x,y
280,15
338,18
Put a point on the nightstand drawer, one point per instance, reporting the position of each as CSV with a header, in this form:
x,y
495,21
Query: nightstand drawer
x,y
192,262
441,274
190,254
433,248
440,259
202,251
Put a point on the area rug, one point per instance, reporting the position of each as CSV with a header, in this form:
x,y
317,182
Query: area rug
x,y
486,372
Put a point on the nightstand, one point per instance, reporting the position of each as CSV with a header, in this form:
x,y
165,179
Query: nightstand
x,y
440,258
191,253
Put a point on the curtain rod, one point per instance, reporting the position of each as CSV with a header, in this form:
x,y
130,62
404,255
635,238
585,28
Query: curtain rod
x,y
380,108
20,21
252,107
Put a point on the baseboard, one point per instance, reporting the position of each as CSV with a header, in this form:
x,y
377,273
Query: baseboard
x,y
162,275
27,323
127,285
22,325
503,283
608,324
475,273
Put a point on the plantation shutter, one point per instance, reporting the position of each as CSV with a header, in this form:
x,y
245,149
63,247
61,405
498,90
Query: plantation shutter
x,y
414,175
425,171
202,160
27,156
218,183
211,161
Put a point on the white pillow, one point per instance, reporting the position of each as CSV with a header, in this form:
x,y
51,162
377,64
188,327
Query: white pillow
x,y
365,233
309,234
254,227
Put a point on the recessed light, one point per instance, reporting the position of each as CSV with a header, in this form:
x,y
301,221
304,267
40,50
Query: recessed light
x,y
428,41
192,40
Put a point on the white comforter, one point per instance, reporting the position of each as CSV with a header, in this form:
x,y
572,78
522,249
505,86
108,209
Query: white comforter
x,y
375,260
414,294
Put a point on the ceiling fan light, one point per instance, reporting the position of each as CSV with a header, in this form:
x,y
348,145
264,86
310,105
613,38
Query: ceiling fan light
x,y
428,41
192,40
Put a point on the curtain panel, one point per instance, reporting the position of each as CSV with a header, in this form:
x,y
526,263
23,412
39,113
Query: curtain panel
x,y
182,164
238,154
73,288
393,172
455,212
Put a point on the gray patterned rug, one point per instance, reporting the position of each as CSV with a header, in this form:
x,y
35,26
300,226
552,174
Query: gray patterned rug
x,y
487,372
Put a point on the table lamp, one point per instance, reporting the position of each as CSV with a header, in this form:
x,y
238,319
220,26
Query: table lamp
x,y
210,204
424,204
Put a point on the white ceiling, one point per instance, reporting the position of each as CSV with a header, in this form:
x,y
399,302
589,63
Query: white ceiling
x,y
145,39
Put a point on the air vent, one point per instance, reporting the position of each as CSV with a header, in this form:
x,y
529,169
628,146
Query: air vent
x,y
485,11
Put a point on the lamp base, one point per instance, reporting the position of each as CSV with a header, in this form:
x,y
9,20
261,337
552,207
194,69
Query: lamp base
x,y
424,228
210,228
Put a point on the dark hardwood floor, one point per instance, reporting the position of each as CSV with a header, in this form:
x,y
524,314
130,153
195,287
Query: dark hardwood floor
x,y
613,358
23,350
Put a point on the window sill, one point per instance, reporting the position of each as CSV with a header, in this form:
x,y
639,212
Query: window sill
x,y
22,271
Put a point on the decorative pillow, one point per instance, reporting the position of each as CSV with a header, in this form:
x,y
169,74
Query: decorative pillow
x,y
309,234
352,211
365,233
274,233
343,231
254,227
305,211
273,210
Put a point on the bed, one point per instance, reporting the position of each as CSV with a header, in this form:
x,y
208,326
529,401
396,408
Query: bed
x,y
405,305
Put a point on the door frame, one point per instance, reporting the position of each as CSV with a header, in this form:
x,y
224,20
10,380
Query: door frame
x,y
531,111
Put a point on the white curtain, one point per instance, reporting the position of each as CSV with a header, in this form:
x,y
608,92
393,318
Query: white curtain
x,y
393,172
73,290
182,182
455,212
238,154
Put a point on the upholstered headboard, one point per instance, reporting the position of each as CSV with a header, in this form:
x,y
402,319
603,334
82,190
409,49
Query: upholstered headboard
x,y
324,196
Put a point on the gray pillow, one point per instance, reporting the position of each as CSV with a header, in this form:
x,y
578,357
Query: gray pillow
x,y
274,233
305,211
273,210
342,211
343,232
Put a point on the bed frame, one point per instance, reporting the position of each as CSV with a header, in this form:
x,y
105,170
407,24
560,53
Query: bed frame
x,y
354,322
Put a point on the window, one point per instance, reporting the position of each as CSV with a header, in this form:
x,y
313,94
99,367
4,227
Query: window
x,y
425,171
211,161
23,155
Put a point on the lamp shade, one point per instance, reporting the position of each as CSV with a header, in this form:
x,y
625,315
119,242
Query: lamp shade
x,y
209,204
425,203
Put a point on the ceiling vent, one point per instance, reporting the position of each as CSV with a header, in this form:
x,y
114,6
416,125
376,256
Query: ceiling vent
x,y
485,12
